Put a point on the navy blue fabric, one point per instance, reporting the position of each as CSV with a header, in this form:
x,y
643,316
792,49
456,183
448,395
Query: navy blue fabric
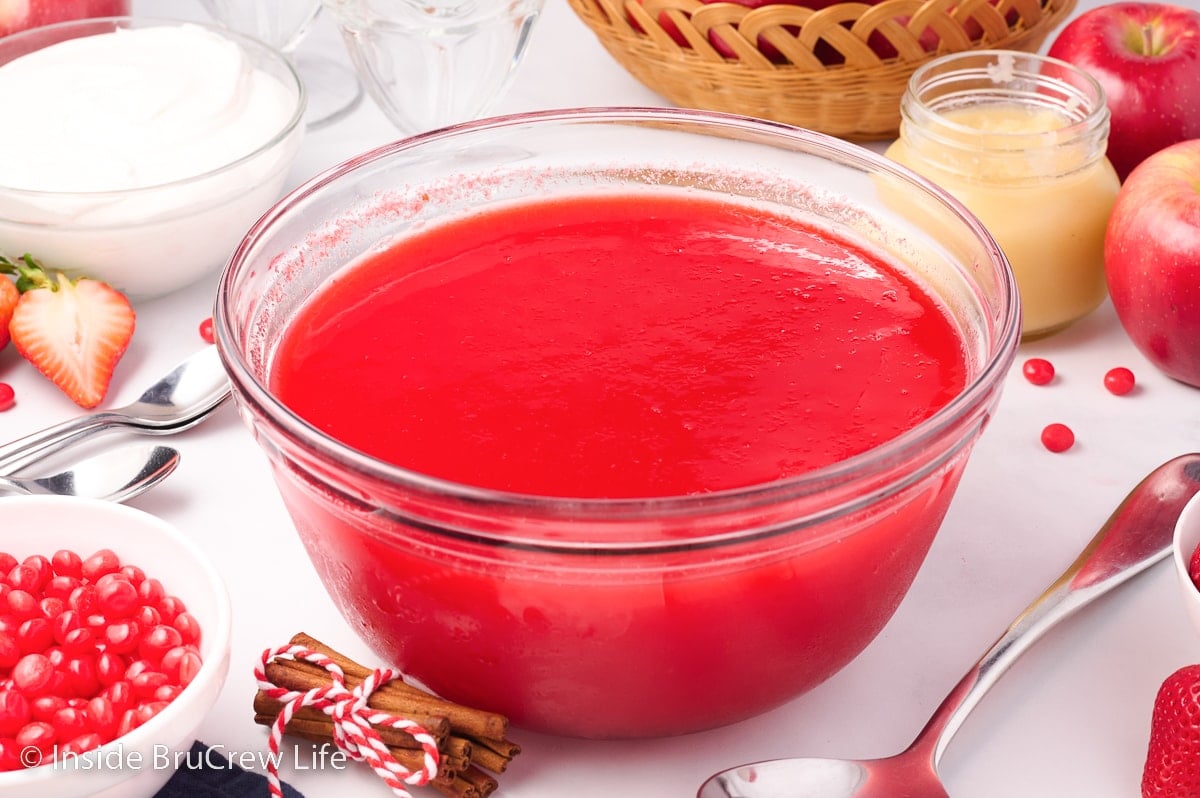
x,y
204,776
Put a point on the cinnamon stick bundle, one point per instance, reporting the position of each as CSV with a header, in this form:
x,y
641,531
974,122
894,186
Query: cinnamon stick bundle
x,y
470,741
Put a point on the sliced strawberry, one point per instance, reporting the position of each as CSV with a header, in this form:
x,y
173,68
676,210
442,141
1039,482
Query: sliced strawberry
x,y
73,331
8,301
1172,767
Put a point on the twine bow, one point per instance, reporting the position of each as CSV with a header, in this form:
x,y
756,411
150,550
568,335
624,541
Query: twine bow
x,y
352,721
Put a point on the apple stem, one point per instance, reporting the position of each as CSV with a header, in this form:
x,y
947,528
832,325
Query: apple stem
x,y
1147,39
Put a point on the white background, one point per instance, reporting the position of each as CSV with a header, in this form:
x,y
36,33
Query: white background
x,y
1072,719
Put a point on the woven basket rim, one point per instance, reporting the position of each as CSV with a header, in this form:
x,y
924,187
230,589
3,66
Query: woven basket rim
x,y
857,99
599,16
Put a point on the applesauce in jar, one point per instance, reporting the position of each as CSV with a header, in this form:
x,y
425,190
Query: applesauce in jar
x,y
1020,139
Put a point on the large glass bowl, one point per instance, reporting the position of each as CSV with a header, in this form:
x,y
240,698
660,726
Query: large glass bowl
x,y
632,617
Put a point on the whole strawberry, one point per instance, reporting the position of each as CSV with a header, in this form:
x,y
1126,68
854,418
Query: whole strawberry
x,y
73,331
1173,760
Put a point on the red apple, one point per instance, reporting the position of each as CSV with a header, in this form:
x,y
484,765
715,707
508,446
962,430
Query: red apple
x,y
18,15
767,49
883,48
1147,58
1152,259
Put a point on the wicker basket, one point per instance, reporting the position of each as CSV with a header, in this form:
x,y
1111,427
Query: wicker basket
x,y
814,69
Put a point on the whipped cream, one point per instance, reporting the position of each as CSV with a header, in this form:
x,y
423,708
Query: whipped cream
x,y
134,108
141,156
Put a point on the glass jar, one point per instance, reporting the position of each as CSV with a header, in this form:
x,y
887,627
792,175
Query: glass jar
x,y
432,63
1020,140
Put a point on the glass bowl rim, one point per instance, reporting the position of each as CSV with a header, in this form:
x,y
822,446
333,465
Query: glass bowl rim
x,y
978,392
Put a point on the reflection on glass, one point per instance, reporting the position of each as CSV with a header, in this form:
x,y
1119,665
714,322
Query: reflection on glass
x,y
432,63
333,89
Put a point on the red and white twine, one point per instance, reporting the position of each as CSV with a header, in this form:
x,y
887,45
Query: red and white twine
x,y
352,721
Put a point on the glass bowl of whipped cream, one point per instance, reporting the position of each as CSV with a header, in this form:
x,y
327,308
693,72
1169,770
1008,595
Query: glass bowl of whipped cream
x,y
147,146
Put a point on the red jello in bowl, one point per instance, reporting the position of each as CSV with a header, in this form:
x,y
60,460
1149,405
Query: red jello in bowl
x,y
619,422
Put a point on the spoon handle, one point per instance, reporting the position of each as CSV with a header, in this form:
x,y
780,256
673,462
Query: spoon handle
x,y
1136,536
175,402
33,447
10,488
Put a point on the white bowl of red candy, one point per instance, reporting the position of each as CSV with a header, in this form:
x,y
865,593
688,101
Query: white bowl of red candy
x,y
1187,558
114,644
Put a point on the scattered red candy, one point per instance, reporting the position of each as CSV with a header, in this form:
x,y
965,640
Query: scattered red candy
x,y
8,397
1172,766
1119,381
90,649
1038,370
1058,437
206,330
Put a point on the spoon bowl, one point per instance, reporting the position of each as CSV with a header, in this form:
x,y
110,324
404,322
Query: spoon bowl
x,y
114,475
1137,535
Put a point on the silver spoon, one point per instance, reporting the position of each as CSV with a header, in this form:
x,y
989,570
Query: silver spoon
x,y
1136,536
183,397
116,474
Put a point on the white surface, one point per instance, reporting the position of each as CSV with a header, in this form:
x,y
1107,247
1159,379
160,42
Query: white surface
x,y
1072,719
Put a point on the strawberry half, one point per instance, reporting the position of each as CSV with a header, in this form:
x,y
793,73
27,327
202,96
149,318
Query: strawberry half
x,y
1172,767
73,331
8,302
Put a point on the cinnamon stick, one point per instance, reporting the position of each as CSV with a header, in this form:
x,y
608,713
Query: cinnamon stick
x,y
458,788
471,783
406,698
505,748
485,784
321,731
437,726
408,758
302,676
470,741
488,759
